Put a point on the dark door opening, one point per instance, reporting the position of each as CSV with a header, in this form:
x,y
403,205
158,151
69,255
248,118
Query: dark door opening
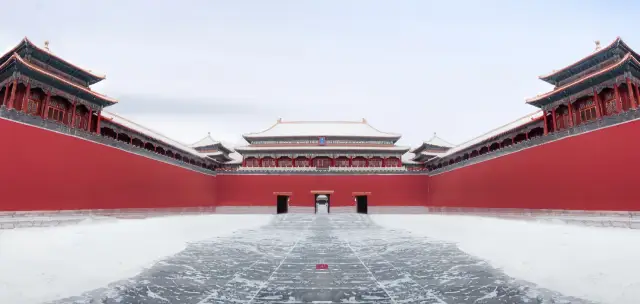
x,y
322,201
282,202
362,204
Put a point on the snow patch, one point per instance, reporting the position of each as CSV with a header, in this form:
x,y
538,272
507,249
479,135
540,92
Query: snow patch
x,y
598,264
49,263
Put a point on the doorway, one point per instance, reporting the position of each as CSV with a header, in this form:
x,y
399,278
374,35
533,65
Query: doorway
x,y
282,202
322,202
362,204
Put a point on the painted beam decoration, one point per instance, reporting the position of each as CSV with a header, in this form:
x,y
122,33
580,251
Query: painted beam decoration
x,y
322,140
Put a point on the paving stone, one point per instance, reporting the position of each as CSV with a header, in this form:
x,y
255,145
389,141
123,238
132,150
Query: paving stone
x,y
277,264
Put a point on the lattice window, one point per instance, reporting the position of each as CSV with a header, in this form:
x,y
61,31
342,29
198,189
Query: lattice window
x,y
268,162
322,162
342,162
252,162
285,162
375,162
302,162
393,162
611,106
33,106
359,162
587,111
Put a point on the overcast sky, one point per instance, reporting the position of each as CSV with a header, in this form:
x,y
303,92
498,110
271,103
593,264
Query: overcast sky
x,y
185,68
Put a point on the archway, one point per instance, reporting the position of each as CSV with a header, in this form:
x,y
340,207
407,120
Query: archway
x,y
324,193
322,203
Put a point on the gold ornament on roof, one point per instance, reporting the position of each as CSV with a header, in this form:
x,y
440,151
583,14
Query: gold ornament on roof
x,y
46,45
597,45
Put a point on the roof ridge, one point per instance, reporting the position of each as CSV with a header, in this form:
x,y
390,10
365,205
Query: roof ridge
x,y
26,40
614,42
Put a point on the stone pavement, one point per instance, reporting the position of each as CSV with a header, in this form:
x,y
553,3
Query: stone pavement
x,y
277,264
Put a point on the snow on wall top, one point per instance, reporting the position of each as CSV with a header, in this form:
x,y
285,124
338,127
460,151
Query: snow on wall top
x,y
321,128
150,133
495,132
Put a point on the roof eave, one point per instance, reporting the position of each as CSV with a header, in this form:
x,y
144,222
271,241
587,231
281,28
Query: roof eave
x,y
97,97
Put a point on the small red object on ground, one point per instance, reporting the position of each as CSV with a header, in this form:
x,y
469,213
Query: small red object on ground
x,y
322,266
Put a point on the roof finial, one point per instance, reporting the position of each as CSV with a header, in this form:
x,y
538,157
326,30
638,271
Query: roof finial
x,y
279,120
209,133
364,120
597,45
46,45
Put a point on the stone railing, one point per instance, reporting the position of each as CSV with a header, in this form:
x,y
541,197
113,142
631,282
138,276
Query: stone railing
x,y
606,121
37,121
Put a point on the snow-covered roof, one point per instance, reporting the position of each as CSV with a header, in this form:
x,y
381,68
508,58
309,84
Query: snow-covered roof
x,y
495,132
435,140
407,158
321,128
209,141
117,119
236,158
320,148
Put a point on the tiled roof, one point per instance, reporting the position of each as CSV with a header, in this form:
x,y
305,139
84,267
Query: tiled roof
x,y
19,59
625,59
322,128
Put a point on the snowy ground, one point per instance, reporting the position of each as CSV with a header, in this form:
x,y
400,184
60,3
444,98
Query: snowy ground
x,y
44,264
599,264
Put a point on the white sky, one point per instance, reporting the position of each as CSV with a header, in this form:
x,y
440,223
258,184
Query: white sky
x,y
185,68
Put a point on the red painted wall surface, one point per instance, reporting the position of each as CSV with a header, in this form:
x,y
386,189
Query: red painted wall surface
x,y
594,171
43,170
257,190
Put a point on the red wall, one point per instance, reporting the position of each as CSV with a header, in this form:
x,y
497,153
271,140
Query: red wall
x,y
257,190
43,170
594,171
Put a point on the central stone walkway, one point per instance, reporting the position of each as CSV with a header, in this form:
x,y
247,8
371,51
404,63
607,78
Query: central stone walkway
x,y
277,264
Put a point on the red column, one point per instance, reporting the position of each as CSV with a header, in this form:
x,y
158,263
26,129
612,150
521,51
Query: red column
x,y
6,94
25,99
98,119
350,161
553,120
570,106
618,99
546,125
244,162
366,162
637,94
276,161
260,162
13,94
596,101
384,160
73,114
632,100
45,105
89,121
